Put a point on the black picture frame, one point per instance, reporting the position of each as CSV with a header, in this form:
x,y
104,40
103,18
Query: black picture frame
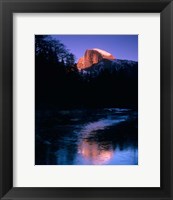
x,y
7,8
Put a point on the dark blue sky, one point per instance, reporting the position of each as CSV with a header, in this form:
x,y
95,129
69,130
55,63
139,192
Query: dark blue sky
x,y
120,46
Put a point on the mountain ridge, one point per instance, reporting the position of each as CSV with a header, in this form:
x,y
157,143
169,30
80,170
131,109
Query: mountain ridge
x,y
93,56
111,66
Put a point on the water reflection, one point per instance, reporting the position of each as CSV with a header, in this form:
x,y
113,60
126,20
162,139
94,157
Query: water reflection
x,y
87,137
100,125
94,153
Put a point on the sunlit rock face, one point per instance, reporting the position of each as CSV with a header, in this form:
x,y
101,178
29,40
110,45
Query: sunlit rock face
x,y
93,56
80,63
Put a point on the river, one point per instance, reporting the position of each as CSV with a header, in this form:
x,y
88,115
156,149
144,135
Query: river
x,y
106,136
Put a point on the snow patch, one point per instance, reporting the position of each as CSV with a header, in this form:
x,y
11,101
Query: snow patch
x,y
103,52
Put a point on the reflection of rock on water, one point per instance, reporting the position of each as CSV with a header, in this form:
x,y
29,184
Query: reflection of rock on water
x,y
106,136
95,153
92,151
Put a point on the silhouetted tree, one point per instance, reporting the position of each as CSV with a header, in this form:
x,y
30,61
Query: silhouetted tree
x,y
52,63
70,59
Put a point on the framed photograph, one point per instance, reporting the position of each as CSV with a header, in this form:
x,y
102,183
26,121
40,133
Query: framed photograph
x,y
86,99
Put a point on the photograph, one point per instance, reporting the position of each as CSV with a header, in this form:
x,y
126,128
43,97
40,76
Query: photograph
x,y
86,99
